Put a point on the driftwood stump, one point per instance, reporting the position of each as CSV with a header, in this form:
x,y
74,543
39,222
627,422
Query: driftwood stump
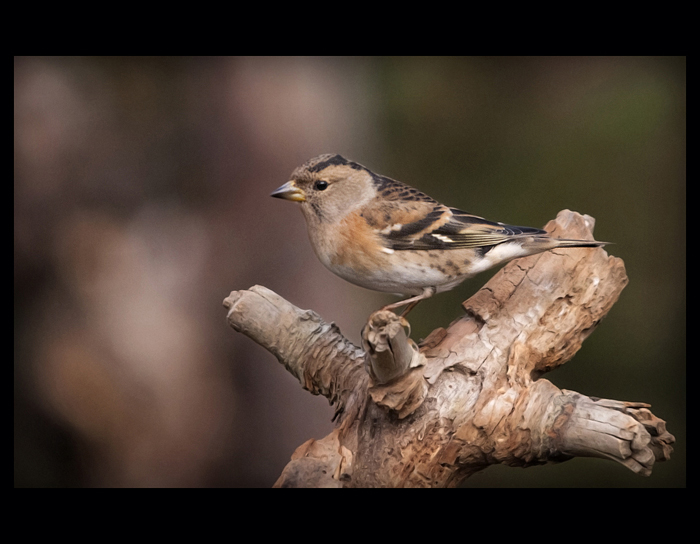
x,y
470,395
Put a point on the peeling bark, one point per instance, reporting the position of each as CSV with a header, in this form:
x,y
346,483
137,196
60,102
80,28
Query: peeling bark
x,y
472,394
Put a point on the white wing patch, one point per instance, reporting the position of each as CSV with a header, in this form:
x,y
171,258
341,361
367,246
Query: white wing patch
x,y
391,228
443,238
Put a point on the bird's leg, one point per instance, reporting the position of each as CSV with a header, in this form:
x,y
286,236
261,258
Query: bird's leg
x,y
411,302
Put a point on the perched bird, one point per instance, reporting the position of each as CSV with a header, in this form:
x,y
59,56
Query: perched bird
x,y
381,234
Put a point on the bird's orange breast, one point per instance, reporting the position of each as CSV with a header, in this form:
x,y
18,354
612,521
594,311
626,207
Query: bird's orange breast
x,y
357,245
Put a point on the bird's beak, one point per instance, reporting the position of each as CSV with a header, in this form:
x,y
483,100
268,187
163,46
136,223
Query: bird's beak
x,y
289,191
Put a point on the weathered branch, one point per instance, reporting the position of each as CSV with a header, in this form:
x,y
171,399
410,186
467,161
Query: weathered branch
x,y
473,394
315,352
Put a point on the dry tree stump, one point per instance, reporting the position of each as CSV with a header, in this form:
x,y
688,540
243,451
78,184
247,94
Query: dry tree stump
x,y
470,395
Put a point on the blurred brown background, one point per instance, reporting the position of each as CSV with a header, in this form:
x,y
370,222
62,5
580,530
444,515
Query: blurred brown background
x,y
141,200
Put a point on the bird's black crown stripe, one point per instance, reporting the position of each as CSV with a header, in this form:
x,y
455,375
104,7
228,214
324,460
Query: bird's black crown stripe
x,y
335,160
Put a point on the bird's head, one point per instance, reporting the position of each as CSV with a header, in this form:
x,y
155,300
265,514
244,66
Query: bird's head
x,y
328,187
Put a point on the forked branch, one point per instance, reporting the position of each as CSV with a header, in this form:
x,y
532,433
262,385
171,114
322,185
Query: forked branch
x,y
472,394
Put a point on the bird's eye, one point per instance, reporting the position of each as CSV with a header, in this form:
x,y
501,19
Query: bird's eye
x,y
321,185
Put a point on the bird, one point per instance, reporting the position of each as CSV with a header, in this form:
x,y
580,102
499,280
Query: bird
x,y
384,235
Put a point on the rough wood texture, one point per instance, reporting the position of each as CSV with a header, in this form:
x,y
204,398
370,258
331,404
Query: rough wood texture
x,y
472,395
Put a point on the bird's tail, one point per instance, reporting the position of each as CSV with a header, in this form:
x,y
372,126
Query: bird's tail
x,y
578,243
537,244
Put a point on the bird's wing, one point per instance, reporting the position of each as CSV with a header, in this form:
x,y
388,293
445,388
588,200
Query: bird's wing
x,y
427,224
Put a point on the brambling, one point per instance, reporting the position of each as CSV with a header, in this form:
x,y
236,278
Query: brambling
x,y
381,234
